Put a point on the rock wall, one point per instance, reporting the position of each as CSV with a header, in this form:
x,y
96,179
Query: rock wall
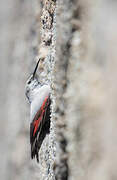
x,y
76,41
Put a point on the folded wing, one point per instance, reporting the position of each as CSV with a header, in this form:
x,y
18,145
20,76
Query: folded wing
x,y
39,127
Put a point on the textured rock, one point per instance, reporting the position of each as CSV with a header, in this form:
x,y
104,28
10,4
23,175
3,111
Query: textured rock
x,y
85,90
82,73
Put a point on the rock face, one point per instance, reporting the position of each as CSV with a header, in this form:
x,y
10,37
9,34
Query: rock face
x,y
18,38
86,92
82,72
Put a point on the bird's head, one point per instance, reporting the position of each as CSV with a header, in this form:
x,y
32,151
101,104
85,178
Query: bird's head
x,y
32,82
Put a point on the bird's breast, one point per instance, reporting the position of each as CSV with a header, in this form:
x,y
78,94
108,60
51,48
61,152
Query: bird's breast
x,y
39,96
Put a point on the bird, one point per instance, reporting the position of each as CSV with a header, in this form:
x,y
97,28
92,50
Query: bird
x,y
38,95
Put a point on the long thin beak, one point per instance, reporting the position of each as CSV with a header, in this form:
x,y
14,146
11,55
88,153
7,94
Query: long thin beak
x,y
36,68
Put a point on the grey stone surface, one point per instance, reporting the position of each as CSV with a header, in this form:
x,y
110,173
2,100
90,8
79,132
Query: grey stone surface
x,y
17,40
82,72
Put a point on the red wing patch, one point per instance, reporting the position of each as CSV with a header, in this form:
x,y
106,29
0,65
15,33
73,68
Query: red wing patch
x,y
36,126
40,117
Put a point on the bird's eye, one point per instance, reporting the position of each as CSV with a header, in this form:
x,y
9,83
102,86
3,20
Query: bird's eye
x,y
29,82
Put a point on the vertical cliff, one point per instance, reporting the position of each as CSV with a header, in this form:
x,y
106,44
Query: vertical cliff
x,y
76,41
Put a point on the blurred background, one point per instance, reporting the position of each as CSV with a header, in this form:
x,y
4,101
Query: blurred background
x,y
87,72
18,47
